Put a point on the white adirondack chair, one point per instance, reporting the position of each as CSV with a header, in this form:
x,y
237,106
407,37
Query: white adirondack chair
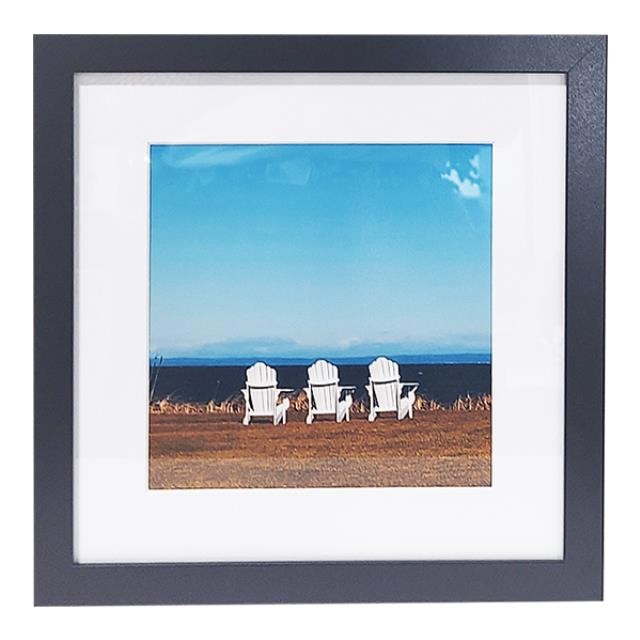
x,y
261,395
325,393
387,393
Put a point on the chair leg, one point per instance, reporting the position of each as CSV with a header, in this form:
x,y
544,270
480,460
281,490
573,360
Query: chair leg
x,y
372,411
281,412
246,419
342,409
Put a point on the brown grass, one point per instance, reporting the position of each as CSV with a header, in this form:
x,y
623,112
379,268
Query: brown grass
x,y
299,402
210,448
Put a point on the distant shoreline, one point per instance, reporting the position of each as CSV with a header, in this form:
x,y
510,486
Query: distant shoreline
x,y
433,359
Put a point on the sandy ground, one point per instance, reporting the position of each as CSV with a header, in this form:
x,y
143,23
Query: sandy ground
x,y
436,448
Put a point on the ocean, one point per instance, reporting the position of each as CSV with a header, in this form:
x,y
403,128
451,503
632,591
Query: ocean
x,y
200,383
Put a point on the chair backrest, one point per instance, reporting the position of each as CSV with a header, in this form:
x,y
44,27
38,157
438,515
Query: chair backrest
x,y
384,376
262,382
323,383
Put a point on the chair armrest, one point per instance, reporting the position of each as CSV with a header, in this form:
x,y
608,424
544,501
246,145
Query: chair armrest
x,y
413,385
346,391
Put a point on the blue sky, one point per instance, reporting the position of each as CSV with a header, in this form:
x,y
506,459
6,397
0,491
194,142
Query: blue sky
x,y
320,250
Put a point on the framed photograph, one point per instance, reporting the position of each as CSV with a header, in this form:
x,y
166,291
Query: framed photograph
x,y
318,318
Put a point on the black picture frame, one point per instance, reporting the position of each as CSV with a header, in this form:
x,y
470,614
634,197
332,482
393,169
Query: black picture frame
x,y
60,581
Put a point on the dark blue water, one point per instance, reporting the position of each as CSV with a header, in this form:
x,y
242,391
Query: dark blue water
x,y
442,382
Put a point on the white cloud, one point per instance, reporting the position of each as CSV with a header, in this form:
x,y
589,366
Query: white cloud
x,y
291,170
296,171
217,156
474,172
466,188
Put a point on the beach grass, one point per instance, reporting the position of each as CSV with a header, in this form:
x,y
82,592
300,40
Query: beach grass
x,y
299,403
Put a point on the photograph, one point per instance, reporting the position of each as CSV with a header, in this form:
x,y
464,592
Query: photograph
x,y
320,315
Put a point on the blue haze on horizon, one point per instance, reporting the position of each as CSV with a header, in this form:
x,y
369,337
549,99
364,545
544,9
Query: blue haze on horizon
x,y
302,251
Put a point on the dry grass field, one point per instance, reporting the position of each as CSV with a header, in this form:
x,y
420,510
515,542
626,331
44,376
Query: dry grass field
x,y
213,450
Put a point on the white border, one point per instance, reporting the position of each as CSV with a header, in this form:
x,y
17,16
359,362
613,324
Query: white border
x,y
117,519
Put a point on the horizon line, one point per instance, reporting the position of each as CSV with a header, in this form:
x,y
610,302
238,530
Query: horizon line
x,y
433,358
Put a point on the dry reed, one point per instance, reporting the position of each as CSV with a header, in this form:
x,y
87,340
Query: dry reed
x,y
299,402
